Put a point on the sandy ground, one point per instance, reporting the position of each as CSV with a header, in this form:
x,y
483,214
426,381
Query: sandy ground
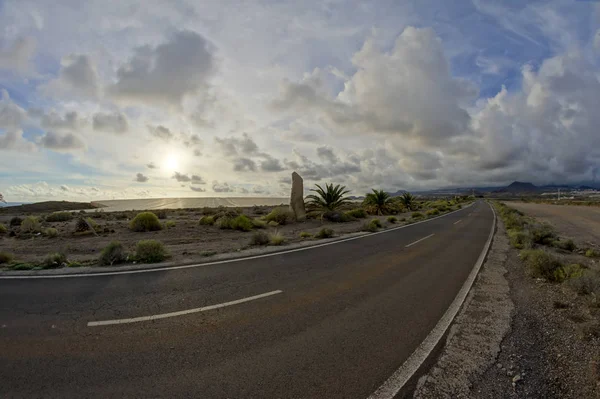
x,y
581,223
551,344
187,241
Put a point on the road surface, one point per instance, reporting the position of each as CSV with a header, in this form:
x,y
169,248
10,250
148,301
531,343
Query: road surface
x,y
334,321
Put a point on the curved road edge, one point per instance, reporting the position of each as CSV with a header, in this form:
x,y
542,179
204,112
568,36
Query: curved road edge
x,y
390,388
39,274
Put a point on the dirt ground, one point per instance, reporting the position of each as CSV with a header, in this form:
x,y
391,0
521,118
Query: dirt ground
x,y
581,223
187,240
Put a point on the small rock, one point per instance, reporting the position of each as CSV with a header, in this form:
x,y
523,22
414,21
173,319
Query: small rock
x,y
509,373
499,365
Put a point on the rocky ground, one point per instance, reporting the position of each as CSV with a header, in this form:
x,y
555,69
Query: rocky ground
x,y
186,240
549,346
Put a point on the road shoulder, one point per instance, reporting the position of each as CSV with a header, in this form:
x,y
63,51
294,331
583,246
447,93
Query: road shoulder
x,y
474,339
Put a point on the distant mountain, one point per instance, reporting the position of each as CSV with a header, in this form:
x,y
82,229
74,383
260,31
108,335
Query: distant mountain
x,y
585,188
518,187
397,193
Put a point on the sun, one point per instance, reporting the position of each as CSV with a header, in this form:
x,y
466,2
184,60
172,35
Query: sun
x,y
171,163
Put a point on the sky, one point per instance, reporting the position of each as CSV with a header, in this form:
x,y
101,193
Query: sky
x,y
126,99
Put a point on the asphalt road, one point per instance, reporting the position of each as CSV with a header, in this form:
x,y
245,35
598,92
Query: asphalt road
x,y
348,316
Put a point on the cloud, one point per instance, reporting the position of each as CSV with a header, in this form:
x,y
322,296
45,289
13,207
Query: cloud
x,y
140,178
222,188
18,56
233,146
57,142
244,165
151,165
197,189
407,92
197,180
165,74
191,140
78,75
181,177
161,132
271,165
11,115
115,122
64,187
326,153
13,140
53,121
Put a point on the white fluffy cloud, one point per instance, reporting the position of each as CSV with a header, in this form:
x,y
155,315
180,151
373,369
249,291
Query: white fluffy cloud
x,y
110,122
17,56
78,76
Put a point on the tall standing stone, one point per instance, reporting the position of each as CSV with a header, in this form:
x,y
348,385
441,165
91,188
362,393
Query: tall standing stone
x,y
297,197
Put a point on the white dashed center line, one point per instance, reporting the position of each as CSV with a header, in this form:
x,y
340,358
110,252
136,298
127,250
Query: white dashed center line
x,y
424,238
458,221
182,312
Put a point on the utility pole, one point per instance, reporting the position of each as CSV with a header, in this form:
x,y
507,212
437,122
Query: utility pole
x,y
559,194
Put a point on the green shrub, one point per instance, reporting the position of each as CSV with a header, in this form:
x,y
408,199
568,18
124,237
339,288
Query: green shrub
x,y
150,251
276,239
592,253
113,253
272,223
161,214
224,222
242,223
543,234
30,225
280,215
3,229
169,224
336,216
15,221
23,266
432,212
259,224
392,219
145,221
259,238
207,221
208,253
59,217
208,211
358,213
586,284
75,264
51,232
372,226
5,257
519,239
567,245
417,215
54,260
304,234
567,272
541,264
324,233
82,225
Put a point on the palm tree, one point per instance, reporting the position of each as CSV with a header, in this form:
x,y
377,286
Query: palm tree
x,y
380,201
329,199
407,200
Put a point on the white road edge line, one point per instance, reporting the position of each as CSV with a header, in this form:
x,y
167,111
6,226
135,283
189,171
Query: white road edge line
x,y
180,313
418,241
219,262
458,221
390,388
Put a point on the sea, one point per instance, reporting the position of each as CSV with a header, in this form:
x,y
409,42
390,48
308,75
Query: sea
x,y
178,203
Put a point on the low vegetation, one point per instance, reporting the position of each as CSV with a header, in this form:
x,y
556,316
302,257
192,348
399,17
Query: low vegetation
x,y
150,251
6,257
59,217
114,253
519,239
587,284
378,202
3,229
30,225
15,221
325,233
542,264
392,219
145,221
280,215
276,239
51,232
358,213
259,238
54,261
592,253
304,234
169,224
433,212
207,221
417,215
